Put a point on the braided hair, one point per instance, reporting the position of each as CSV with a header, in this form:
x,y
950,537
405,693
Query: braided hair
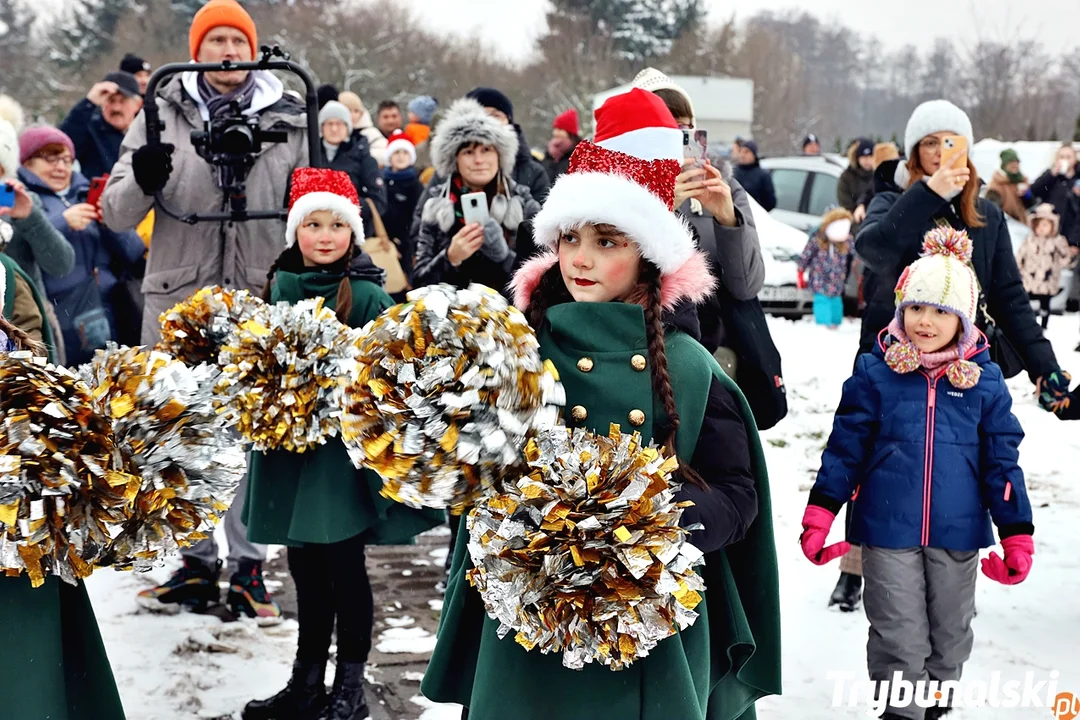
x,y
551,291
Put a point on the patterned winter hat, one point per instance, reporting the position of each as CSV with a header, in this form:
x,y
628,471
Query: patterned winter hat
x,y
322,189
941,278
625,178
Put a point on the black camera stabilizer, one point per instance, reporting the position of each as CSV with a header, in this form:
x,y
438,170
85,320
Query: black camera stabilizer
x,y
230,146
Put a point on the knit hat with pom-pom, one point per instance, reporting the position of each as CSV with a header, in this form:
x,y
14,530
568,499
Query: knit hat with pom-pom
x,y
941,278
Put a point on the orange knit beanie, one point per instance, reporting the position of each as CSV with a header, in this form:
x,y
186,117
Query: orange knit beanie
x,y
221,13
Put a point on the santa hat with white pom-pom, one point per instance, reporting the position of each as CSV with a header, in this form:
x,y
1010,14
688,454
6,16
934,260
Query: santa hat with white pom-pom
x,y
322,189
625,178
941,278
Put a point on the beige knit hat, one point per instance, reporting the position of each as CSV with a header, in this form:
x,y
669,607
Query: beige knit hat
x,y
652,80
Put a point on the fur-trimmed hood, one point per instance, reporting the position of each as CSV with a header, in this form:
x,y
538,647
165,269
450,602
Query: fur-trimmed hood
x,y
467,122
692,282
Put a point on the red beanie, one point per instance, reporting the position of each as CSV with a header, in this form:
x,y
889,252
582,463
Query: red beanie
x,y
568,121
221,13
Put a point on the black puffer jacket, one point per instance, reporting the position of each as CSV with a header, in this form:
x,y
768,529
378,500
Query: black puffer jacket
x,y
891,239
722,457
529,171
554,167
354,157
854,181
1058,191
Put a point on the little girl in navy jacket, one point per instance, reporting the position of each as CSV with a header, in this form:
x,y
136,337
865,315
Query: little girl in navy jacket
x,y
925,447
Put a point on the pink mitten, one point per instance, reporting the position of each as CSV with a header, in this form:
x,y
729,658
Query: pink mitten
x,y
816,523
1017,563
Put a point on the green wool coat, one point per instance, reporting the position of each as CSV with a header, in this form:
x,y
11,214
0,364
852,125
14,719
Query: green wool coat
x,y
53,665
319,496
714,670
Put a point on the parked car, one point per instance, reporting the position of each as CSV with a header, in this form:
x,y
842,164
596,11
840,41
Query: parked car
x,y
781,246
805,187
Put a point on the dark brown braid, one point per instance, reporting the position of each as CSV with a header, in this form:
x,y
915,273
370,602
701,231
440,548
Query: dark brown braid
x,y
661,380
551,291
273,271
22,340
344,291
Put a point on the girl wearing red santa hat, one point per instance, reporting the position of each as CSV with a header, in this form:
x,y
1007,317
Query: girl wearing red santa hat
x,y
613,304
317,503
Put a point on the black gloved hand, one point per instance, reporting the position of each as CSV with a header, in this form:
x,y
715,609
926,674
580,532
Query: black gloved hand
x,y
152,165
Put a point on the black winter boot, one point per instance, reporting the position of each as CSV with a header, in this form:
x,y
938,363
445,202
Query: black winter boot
x,y
304,696
347,701
193,587
848,592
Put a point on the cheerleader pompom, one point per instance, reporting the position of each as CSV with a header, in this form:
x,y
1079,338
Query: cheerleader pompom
x,y
450,388
193,331
283,372
584,555
164,420
64,483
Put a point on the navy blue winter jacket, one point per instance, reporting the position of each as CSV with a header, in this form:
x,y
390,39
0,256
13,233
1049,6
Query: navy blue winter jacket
x,y
97,248
923,463
757,181
97,143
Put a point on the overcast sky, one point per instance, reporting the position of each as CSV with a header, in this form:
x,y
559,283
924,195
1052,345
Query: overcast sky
x,y
513,25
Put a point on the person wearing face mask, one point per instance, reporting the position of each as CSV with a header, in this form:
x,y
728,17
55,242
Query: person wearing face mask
x,y
342,150
98,122
474,152
83,296
235,255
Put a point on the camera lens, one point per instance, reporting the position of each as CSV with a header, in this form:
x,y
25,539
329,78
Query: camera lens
x,y
237,140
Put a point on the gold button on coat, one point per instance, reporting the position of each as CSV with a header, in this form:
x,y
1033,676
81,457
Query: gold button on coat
x,y
637,418
580,413
585,364
638,362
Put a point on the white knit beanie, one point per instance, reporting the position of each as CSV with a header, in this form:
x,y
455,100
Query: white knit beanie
x,y
936,116
652,80
334,110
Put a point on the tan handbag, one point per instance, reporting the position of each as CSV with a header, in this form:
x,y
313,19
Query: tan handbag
x,y
384,253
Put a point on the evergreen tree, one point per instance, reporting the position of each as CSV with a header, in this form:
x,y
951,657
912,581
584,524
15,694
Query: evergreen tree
x,y
641,30
85,34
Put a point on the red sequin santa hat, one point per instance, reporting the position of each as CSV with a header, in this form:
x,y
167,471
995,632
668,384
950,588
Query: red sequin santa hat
x,y
625,178
322,189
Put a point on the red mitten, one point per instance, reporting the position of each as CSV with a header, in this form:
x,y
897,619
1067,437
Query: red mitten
x,y
1015,567
816,523
800,280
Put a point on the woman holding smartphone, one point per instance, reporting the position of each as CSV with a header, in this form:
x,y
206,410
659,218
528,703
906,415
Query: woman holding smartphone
x,y
933,188
469,225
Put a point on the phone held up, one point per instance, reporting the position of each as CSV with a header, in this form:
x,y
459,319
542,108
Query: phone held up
x,y
97,186
695,146
7,195
474,208
954,147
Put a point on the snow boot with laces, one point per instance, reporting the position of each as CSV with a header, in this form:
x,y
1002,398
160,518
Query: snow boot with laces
x,y
304,696
347,701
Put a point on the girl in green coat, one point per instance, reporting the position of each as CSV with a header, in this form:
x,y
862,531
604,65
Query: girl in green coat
x,y
317,503
55,664
613,303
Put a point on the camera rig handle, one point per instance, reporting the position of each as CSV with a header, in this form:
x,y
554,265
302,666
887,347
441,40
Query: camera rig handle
x,y
154,125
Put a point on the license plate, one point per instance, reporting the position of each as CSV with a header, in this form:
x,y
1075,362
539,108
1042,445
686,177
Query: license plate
x,y
781,294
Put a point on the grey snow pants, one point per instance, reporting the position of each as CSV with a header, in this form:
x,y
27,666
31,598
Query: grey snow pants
x,y
920,603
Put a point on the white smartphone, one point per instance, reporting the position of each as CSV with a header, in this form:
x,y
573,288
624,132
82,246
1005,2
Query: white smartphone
x,y
474,207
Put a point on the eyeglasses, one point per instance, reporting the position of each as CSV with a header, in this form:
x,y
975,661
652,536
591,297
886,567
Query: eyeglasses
x,y
57,159
930,143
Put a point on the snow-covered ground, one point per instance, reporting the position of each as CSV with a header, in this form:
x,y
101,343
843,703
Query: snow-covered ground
x,y
187,666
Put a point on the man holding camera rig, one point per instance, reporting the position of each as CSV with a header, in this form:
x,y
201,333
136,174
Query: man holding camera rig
x,y
234,254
